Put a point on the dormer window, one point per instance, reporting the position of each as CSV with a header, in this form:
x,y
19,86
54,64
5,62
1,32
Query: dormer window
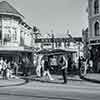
x,y
96,6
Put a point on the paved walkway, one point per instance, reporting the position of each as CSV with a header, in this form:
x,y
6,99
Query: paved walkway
x,y
22,80
93,77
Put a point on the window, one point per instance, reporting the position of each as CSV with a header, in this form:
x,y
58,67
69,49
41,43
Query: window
x,y
96,6
14,33
7,33
96,29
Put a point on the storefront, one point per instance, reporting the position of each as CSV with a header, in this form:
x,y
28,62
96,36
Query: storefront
x,y
95,54
17,55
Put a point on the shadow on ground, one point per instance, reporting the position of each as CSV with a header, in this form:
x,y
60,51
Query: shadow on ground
x,y
90,80
19,84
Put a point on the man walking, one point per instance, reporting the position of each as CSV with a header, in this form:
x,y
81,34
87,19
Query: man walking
x,y
63,65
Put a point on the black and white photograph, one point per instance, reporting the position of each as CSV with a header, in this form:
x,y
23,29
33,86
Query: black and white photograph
x,y
49,49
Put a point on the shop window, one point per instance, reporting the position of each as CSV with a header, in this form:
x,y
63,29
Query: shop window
x,y
96,29
96,6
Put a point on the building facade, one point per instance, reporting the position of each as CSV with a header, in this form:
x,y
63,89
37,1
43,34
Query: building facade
x,y
94,32
16,38
85,42
73,46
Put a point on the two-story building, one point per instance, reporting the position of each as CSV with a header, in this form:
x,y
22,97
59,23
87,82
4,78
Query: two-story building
x,y
15,34
94,32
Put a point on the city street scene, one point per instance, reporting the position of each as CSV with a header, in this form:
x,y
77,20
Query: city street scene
x,y
49,50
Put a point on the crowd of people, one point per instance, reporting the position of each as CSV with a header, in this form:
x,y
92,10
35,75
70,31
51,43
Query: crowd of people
x,y
8,69
81,67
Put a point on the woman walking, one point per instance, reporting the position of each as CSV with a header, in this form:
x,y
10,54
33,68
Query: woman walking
x,y
47,68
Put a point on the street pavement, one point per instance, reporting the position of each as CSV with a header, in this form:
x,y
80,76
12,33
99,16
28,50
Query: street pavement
x,y
39,90
93,76
57,78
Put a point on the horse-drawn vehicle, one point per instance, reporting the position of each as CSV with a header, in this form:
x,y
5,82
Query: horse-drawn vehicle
x,y
54,55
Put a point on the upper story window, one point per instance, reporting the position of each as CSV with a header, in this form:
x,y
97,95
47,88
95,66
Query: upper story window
x,y
96,29
14,34
96,6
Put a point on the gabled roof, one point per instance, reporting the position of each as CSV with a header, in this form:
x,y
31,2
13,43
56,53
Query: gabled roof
x,y
6,8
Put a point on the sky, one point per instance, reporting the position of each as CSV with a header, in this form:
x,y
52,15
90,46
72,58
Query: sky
x,y
54,16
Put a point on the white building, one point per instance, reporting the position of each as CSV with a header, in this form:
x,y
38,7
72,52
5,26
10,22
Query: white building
x,y
15,34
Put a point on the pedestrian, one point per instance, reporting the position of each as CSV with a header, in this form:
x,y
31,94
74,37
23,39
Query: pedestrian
x,y
90,65
85,64
42,67
24,66
4,68
9,70
63,65
79,66
38,67
15,68
0,68
47,68
1,65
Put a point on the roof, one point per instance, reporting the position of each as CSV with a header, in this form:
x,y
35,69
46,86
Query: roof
x,y
6,8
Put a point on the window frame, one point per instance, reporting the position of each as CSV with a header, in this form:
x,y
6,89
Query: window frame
x,y
96,6
97,28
